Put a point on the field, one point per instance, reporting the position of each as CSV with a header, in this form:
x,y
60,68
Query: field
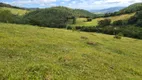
x,y
37,53
94,22
15,11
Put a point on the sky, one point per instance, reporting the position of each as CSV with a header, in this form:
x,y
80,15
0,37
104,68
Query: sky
x,y
79,4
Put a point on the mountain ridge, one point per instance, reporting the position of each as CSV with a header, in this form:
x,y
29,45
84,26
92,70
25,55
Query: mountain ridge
x,y
107,10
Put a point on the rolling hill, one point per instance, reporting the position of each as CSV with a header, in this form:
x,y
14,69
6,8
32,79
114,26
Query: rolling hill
x,y
132,8
39,53
108,10
94,22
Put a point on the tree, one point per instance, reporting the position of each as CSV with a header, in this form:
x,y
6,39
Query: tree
x,y
6,16
89,19
139,23
103,23
132,20
118,23
74,20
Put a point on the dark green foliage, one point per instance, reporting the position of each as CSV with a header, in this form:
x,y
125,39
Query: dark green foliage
x,y
118,36
139,23
105,22
136,19
53,17
132,8
132,20
89,19
74,20
118,31
139,15
6,16
118,23
83,13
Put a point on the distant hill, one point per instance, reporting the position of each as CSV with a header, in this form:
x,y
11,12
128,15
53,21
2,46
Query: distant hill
x,y
10,6
16,7
108,10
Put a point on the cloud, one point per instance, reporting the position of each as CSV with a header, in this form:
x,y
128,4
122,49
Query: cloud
x,y
83,4
39,2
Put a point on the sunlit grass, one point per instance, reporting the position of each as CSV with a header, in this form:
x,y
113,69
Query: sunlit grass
x,y
94,22
15,11
37,53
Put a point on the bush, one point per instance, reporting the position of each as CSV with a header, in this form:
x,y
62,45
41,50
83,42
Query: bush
x,y
132,20
118,36
103,23
74,20
6,16
118,23
139,23
89,19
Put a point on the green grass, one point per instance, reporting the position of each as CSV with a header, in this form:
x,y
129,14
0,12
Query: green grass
x,y
15,11
94,22
37,53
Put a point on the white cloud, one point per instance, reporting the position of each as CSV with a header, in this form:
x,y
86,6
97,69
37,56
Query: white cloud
x,y
83,4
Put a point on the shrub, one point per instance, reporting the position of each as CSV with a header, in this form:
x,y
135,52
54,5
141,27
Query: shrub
x,y
103,23
118,36
132,20
6,16
118,23
89,19
139,23
74,20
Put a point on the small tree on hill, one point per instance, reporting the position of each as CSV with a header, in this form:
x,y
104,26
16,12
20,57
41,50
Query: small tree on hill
x,y
6,16
89,19
105,22
74,20
118,23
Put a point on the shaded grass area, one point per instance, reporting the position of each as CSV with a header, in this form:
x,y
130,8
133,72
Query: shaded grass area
x,y
37,53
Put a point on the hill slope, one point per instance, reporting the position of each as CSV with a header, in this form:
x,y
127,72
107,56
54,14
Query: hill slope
x,y
30,52
15,11
94,22
132,8
55,16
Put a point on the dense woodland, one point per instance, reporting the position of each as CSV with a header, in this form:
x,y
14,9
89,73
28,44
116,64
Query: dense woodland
x,y
58,17
55,16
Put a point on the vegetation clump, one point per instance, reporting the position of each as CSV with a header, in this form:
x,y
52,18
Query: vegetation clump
x,y
103,23
118,36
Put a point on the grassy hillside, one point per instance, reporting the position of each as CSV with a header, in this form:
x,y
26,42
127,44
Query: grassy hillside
x,y
94,22
37,53
15,11
132,8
